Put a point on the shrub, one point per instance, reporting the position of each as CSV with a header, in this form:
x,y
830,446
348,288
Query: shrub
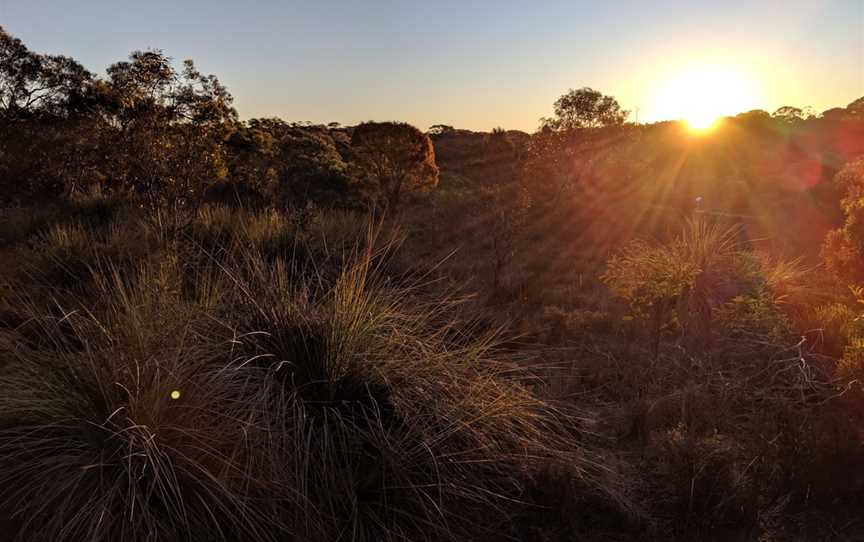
x,y
702,276
851,365
396,158
754,315
651,279
705,481
555,324
836,323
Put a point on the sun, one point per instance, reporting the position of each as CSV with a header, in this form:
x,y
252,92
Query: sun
x,y
702,95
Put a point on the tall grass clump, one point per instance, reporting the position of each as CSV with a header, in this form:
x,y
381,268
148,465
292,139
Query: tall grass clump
x,y
262,401
385,421
117,425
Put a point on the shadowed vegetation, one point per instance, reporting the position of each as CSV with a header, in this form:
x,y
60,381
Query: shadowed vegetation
x,y
215,329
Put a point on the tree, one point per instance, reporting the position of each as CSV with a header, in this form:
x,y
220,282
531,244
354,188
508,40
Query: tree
x,y
755,119
147,129
147,88
557,161
506,214
498,143
31,83
440,129
856,108
291,165
254,163
45,134
166,128
834,114
585,108
396,158
843,251
311,168
789,114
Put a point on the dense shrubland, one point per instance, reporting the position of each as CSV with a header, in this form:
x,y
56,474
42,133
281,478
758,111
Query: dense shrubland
x,y
260,330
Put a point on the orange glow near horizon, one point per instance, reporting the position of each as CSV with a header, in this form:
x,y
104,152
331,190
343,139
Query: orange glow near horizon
x,y
702,95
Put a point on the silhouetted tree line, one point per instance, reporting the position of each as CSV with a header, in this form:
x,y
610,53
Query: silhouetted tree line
x,y
166,136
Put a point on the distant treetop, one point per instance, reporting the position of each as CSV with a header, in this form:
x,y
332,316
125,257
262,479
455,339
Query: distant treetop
x,y
585,108
439,129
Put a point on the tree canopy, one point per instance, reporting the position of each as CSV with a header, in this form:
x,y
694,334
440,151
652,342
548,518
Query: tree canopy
x,y
585,108
31,82
396,157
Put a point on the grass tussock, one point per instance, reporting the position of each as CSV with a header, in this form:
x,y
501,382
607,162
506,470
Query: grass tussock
x,y
239,396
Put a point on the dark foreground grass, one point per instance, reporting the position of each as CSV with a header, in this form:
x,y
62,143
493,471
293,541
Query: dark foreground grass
x,y
241,375
235,395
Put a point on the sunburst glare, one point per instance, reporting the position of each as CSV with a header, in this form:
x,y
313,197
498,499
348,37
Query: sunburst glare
x,y
702,95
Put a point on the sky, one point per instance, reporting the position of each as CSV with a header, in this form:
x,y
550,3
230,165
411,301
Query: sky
x,y
473,64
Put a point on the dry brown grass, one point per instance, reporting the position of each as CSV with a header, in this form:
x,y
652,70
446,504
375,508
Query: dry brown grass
x,y
311,408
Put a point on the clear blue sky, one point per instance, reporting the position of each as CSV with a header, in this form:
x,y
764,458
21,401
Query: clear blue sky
x,y
473,64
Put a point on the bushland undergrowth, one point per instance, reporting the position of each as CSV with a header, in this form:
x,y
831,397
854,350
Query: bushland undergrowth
x,y
236,377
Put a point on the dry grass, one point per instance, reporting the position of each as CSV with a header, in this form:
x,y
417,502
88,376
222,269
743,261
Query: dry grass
x,y
310,408
326,394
